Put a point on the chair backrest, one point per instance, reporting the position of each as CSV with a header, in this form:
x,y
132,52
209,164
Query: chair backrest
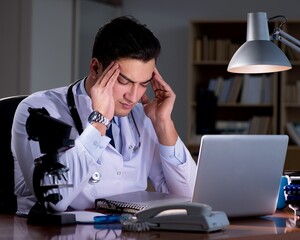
x,y
8,107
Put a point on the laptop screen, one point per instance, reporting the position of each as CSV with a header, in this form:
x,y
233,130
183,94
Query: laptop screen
x,y
240,174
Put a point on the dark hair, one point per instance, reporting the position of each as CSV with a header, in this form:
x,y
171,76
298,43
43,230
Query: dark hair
x,y
125,37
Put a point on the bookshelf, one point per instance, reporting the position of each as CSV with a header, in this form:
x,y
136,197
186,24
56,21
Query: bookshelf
x,y
239,103
242,104
290,97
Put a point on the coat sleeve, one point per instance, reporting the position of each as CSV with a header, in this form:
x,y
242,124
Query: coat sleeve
x,y
174,173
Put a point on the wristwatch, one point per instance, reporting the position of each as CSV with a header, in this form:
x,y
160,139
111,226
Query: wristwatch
x,y
95,116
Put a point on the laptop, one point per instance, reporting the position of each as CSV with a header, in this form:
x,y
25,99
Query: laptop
x,y
240,174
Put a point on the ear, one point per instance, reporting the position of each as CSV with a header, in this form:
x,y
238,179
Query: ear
x,y
96,69
95,66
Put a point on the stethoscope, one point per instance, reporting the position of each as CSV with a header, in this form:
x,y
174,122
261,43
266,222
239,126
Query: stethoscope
x,y
78,124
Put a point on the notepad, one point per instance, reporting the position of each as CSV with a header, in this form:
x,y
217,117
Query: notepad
x,y
135,201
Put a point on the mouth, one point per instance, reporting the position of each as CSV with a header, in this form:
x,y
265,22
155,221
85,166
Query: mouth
x,y
127,105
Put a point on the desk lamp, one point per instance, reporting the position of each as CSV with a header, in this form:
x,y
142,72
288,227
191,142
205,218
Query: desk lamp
x,y
259,54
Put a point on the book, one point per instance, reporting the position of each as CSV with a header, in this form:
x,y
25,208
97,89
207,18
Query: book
x,y
267,93
224,94
252,89
198,51
133,202
206,111
235,89
293,129
232,127
260,125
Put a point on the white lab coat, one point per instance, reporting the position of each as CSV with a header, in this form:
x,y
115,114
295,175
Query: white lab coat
x,y
170,169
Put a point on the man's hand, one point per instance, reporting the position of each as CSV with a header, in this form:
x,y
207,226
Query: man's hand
x,y
102,91
160,108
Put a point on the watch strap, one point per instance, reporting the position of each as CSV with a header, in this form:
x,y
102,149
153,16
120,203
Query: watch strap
x,y
96,116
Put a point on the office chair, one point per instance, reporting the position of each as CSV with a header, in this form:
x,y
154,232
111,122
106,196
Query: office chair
x,y
8,202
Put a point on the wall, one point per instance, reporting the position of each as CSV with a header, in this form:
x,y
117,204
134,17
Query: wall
x,y
9,39
47,43
92,15
169,20
36,45
51,44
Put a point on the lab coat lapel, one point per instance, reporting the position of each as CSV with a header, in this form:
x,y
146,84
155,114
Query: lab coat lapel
x,y
84,108
127,138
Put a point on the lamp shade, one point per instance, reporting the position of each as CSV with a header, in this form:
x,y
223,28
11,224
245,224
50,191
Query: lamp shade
x,y
258,54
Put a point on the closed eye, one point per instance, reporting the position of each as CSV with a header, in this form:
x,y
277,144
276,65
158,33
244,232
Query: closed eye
x,y
145,84
123,81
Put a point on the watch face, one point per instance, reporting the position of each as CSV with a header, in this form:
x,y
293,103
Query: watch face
x,y
93,116
98,117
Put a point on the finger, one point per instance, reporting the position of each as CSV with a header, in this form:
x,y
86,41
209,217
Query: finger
x,y
145,99
108,67
162,94
108,74
113,78
155,82
159,82
161,89
104,72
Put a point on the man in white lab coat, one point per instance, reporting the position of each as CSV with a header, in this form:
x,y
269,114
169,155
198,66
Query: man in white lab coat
x,y
144,144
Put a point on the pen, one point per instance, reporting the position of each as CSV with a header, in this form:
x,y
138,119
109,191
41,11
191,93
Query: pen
x,y
107,219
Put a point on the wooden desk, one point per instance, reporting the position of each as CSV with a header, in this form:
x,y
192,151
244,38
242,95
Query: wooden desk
x,y
278,226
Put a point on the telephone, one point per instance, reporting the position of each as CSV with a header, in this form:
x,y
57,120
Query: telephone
x,y
187,216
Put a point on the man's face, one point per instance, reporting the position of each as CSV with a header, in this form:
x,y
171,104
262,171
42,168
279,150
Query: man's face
x,y
135,76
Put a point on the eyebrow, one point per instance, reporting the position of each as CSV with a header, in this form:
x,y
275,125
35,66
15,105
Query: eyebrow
x,y
128,79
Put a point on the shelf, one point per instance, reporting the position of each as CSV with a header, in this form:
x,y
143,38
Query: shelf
x,y
292,162
241,105
217,96
211,62
212,44
292,105
290,88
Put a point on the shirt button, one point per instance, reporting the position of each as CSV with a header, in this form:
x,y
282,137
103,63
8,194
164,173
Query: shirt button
x,y
119,172
130,147
96,144
95,177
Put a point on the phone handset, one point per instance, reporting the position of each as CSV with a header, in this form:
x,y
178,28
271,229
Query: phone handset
x,y
165,210
187,216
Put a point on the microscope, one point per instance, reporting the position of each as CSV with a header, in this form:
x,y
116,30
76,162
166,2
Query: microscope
x,y
53,137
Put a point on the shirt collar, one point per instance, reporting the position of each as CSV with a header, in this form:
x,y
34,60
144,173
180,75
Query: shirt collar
x,y
81,88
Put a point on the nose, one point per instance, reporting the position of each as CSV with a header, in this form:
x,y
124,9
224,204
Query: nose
x,y
132,94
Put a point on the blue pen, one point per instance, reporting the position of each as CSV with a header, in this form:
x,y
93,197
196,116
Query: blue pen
x,y
115,218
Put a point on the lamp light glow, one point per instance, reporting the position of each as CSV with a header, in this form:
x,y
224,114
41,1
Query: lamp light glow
x,y
258,54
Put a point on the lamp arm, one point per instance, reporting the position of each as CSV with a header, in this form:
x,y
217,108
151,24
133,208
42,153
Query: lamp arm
x,y
285,38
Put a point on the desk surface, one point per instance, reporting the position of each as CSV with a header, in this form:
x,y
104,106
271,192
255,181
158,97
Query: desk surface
x,y
281,225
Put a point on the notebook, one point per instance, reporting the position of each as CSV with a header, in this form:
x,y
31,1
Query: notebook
x,y
135,201
240,174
